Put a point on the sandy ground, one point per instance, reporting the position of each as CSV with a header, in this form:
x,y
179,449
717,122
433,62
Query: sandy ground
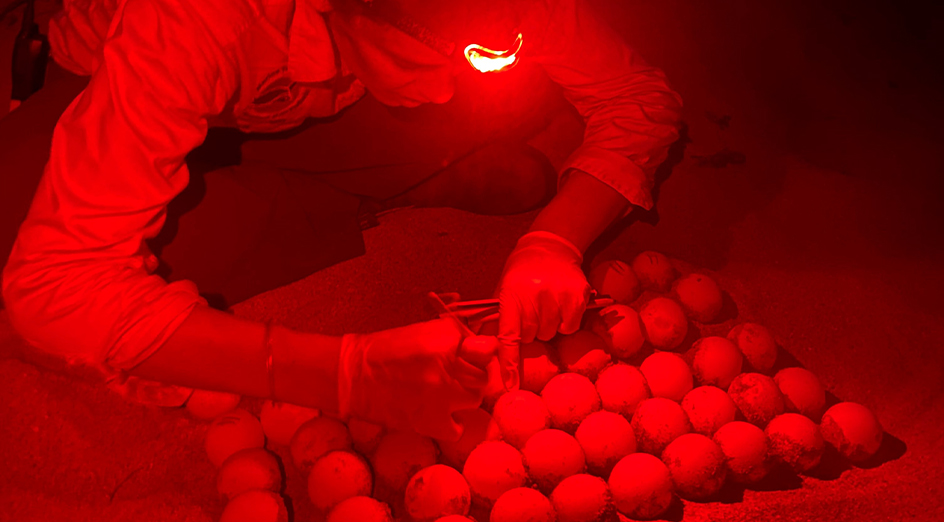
x,y
810,186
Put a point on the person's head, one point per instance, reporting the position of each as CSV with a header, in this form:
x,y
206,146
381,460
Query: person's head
x,y
402,70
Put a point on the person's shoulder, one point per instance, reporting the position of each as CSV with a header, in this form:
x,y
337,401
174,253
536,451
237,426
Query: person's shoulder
x,y
222,20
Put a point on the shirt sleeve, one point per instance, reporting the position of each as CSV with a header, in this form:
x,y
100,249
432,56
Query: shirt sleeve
x,y
79,280
77,32
631,114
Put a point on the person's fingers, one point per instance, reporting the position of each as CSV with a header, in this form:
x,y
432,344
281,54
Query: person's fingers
x,y
458,429
471,377
449,297
479,349
573,307
474,356
495,384
436,335
465,418
465,399
457,399
529,322
509,334
431,415
485,325
550,321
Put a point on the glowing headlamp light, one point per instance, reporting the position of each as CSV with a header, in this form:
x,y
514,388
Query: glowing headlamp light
x,y
487,60
480,58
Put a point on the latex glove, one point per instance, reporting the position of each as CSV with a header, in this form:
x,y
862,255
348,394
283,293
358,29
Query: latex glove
x,y
414,377
543,291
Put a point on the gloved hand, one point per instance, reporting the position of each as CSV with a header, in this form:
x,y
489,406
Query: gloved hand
x,y
543,291
414,377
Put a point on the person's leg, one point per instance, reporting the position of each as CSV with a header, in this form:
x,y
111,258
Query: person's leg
x,y
498,179
470,153
265,210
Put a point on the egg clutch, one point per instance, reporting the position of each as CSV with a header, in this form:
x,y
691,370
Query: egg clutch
x,y
617,421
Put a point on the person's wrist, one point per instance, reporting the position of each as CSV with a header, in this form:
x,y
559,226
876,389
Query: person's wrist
x,y
305,368
544,238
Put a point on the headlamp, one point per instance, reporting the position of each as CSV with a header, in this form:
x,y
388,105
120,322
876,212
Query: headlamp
x,y
481,58
487,60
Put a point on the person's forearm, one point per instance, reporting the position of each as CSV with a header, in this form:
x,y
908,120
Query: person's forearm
x,y
582,209
214,350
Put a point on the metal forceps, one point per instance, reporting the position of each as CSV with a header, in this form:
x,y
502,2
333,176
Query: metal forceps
x,y
475,313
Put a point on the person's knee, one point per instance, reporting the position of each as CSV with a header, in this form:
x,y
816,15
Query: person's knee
x,y
515,178
498,179
538,175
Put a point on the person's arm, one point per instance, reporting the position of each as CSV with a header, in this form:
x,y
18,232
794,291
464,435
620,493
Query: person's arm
x,y
582,209
413,377
79,283
631,114
77,33
214,350
632,117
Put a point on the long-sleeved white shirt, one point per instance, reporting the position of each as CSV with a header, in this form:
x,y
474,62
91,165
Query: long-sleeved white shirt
x,y
79,282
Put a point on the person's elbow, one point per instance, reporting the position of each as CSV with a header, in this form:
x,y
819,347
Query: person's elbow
x,y
52,305
109,315
30,309
653,92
